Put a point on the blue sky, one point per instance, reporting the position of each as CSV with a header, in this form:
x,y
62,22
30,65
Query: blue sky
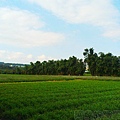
x,y
32,30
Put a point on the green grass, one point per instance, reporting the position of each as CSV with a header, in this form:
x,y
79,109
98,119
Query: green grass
x,y
9,78
63,100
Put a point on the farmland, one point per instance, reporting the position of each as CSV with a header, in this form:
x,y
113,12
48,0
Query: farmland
x,y
24,97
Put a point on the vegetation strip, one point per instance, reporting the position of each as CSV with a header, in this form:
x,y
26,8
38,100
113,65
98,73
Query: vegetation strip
x,y
40,78
60,100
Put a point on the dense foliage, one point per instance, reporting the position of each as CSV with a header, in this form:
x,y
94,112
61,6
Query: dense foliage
x,y
72,66
102,64
11,68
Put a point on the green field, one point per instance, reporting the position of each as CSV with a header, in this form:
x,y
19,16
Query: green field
x,y
9,78
59,97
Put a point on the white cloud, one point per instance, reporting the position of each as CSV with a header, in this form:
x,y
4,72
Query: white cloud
x,y
113,32
19,57
45,58
100,13
22,28
7,56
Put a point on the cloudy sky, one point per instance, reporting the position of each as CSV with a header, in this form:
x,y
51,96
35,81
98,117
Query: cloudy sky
x,y
32,30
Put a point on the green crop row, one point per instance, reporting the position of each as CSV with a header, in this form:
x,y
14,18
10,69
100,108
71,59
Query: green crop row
x,y
10,78
6,78
59,100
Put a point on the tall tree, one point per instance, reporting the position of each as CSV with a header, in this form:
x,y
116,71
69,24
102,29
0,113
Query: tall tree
x,y
91,60
102,65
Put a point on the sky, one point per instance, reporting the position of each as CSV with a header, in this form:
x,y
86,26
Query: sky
x,y
41,30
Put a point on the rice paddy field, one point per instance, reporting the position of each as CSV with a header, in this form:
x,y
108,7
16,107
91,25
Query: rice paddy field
x,y
33,97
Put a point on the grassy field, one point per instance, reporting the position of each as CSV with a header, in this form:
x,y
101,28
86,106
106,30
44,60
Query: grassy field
x,y
9,78
61,98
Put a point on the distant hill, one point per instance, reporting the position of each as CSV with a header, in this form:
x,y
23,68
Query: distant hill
x,y
2,64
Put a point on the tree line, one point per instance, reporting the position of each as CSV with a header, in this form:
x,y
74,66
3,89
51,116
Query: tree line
x,y
72,66
98,64
102,64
